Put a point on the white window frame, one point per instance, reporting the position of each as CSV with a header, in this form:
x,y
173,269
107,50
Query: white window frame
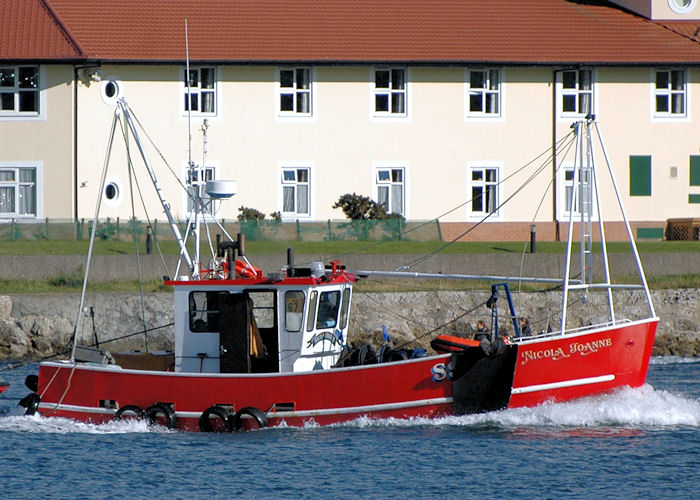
x,y
389,92
13,115
485,91
211,168
377,184
295,91
668,92
562,184
483,166
38,188
197,91
576,92
294,184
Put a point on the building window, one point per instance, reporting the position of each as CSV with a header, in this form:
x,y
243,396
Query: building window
x,y
577,92
18,192
19,90
484,92
201,91
295,91
390,92
584,197
198,180
391,188
670,93
484,191
295,192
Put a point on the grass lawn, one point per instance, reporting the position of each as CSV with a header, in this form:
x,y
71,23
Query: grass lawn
x,y
112,247
73,282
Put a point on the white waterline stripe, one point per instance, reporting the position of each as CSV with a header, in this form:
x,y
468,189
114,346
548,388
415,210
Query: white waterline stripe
x,y
277,414
565,383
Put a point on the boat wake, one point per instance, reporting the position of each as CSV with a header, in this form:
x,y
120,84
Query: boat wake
x,y
57,425
641,408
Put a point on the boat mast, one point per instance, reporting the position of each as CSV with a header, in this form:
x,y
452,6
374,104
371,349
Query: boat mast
x,y
124,107
585,195
194,182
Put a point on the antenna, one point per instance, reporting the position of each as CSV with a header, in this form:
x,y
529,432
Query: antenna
x,y
189,96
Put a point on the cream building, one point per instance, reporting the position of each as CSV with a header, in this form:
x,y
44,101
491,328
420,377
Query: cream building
x,y
430,128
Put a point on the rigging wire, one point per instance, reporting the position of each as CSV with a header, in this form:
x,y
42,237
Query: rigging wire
x,y
460,236
567,139
130,168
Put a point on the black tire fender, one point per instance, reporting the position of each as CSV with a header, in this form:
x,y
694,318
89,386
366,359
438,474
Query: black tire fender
x,y
132,411
168,414
215,411
30,402
251,411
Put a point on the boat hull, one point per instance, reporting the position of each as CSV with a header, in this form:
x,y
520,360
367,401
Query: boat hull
x,y
402,389
527,373
592,362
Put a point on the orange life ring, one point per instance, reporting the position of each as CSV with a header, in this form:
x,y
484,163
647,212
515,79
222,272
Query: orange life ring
x,y
245,270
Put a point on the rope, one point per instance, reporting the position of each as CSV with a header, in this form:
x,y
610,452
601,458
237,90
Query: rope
x,y
130,168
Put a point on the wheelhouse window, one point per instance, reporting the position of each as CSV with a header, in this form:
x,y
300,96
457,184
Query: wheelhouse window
x,y
295,91
18,192
484,190
19,90
328,307
670,93
293,310
577,92
204,310
391,189
200,97
484,91
311,313
295,192
345,308
390,92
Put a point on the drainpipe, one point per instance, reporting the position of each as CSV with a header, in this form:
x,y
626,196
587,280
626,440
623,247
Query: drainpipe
x,y
75,142
554,155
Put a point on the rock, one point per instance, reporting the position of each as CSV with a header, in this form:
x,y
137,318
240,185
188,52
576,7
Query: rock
x,y
5,306
42,324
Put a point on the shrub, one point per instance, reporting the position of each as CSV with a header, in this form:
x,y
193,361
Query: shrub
x,y
358,207
250,214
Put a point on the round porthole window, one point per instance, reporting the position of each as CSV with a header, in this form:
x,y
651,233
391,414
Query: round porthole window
x,y
111,90
682,6
111,191
112,194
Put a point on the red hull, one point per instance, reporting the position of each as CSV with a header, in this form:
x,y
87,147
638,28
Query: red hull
x,y
402,390
594,362
548,369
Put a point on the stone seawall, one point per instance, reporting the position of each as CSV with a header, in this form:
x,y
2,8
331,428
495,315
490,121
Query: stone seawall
x,y
36,325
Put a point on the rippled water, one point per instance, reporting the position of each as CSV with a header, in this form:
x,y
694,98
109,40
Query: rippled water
x,y
635,443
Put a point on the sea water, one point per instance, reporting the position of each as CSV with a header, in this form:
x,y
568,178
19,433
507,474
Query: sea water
x,y
636,443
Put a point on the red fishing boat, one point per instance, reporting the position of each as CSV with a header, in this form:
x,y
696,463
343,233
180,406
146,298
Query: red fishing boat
x,y
254,349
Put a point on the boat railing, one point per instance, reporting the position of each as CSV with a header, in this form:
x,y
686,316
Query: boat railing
x,y
573,331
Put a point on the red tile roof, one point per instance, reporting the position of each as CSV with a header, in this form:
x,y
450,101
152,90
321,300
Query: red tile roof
x,y
29,29
338,31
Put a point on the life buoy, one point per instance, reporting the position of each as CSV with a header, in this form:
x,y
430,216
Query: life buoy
x,y
450,343
250,411
209,420
245,270
161,413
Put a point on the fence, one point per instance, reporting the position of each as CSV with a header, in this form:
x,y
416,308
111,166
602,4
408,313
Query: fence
x,y
121,230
